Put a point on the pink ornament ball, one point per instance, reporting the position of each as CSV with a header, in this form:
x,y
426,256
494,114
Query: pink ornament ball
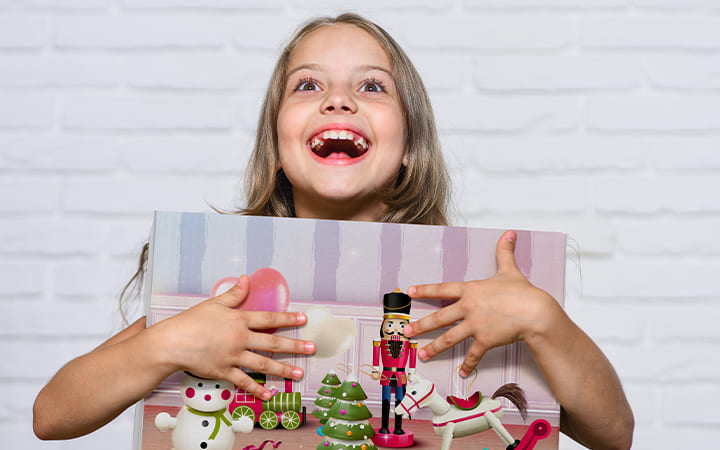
x,y
342,412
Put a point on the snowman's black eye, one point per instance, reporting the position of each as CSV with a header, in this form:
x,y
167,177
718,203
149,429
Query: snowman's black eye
x,y
217,386
414,392
199,384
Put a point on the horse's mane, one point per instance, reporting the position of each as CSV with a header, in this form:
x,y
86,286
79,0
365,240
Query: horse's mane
x,y
516,395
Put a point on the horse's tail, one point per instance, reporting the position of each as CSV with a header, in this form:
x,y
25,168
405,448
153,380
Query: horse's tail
x,y
516,395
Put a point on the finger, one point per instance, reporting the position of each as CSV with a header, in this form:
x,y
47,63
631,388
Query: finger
x,y
442,291
450,338
440,318
279,344
245,383
237,294
265,320
472,359
505,252
268,366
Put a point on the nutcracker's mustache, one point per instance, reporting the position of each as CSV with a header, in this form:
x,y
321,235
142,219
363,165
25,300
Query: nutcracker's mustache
x,y
393,333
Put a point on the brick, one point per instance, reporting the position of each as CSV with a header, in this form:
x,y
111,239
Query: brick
x,y
262,31
661,277
676,4
146,31
142,196
680,193
209,155
26,110
557,153
609,322
704,412
56,153
43,319
674,235
675,362
202,4
490,113
64,5
88,278
18,398
20,195
433,69
128,237
40,360
19,278
189,71
653,113
23,31
52,237
683,71
148,112
486,31
684,152
671,438
524,4
60,70
18,433
680,322
688,31
556,72
513,194
644,401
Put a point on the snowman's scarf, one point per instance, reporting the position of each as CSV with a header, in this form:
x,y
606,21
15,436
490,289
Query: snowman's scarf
x,y
218,415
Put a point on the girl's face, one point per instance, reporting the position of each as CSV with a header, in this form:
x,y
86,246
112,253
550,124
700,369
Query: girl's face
x,y
340,125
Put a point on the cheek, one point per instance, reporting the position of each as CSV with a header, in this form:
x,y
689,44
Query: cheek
x,y
189,392
225,394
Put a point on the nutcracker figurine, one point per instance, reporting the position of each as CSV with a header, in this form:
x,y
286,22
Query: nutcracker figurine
x,y
395,351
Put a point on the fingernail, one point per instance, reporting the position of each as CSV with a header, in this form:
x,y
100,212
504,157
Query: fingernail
x,y
297,373
411,290
310,347
266,395
463,373
301,318
510,236
422,353
408,330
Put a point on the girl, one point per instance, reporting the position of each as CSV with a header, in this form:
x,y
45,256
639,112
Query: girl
x,y
346,132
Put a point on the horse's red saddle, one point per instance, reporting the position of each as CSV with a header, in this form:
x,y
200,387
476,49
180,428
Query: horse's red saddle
x,y
465,403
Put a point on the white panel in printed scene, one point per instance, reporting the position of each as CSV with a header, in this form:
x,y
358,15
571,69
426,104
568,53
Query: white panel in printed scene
x,y
359,268
226,241
421,256
294,256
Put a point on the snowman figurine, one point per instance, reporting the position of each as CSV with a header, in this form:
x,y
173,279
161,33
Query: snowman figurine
x,y
204,421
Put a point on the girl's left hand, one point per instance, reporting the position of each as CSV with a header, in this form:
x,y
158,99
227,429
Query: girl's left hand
x,y
497,311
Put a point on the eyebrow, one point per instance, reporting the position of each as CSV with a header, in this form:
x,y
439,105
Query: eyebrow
x,y
361,68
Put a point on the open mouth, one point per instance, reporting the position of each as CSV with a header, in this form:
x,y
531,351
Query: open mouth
x,y
339,144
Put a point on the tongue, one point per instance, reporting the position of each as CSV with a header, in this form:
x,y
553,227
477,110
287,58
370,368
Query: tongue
x,y
336,155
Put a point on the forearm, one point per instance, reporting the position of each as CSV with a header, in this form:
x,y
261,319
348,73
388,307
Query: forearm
x,y
595,410
93,389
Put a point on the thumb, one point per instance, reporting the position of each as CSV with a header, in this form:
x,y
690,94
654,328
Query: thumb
x,y
237,294
505,252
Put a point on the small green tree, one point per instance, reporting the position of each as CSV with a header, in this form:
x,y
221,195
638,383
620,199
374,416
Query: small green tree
x,y
326,396
348,427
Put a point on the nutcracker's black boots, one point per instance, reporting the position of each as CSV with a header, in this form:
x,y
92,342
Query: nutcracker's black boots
x,y
513,445
385,417
398,422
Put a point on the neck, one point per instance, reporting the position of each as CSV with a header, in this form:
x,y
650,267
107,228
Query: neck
x,y
368,210
438,405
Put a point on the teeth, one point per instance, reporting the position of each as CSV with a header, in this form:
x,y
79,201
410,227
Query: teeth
x,y
318,142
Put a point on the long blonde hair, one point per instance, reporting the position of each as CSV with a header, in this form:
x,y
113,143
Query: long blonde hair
x,y
421,194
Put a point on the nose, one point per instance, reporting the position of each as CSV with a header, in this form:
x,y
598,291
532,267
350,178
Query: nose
x,y
339,101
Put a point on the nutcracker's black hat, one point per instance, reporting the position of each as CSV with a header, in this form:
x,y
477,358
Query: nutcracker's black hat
x,y
396,305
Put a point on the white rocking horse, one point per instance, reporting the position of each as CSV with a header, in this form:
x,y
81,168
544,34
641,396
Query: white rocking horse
x,y
457,417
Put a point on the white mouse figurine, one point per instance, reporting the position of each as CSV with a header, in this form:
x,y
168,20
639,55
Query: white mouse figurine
x,y
204,421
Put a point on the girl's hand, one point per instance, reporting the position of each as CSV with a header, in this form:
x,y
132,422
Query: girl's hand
x,y
497,311
213,340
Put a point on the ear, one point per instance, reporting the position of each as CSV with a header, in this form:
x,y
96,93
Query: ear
x,y
405,159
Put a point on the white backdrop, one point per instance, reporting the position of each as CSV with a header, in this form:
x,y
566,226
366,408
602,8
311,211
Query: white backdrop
x,y
600,118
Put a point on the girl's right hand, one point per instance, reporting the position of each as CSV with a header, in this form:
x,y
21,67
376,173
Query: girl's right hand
x,y
214,340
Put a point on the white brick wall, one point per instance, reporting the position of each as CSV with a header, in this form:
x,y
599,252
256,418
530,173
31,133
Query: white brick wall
x,y
599,117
